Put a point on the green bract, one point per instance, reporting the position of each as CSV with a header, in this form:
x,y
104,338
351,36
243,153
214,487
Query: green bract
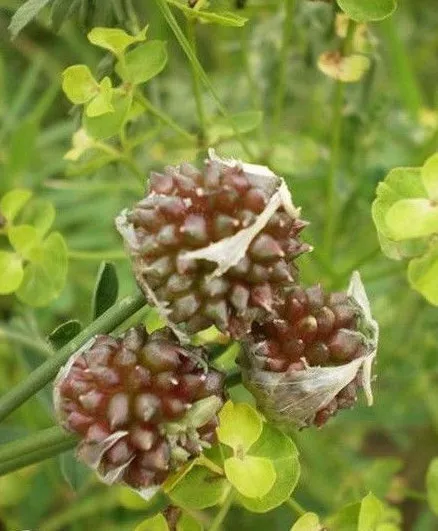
x,y
405,213
114,39
240,426
143,62
307,522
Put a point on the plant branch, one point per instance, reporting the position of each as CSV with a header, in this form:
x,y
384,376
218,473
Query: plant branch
x,y
181,38
280,92
148,106
36,380
191,34
35,448
295,506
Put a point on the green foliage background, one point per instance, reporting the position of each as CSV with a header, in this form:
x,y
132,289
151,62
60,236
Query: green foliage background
x,y
390,118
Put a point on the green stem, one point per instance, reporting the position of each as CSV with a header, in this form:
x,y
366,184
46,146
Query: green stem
x,y
191,34
35,448
280,92
223,511
116,254
295,506
331,210
15,337
148,106
36,380
402,69
170,19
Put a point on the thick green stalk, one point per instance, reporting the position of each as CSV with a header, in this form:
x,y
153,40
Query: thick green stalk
x,y
181,38
36,380
280,92
35,448
191,34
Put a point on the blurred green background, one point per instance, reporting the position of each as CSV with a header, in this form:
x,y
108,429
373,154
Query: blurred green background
x,y
390,119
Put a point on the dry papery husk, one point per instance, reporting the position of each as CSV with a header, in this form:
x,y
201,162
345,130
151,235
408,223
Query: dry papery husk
x,y
292,399
227,252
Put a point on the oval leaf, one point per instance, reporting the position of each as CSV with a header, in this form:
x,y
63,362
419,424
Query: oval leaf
x,y
143,63
64,333
368,10
156,523
429,176
412,218
307,522
239,426
109,124
423,274
12,202
281,451
188,523
251,476
371,513
24,239
79,84
11,272
114,39
106,289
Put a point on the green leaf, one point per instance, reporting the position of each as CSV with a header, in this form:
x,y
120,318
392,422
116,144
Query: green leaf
x,y
110,124
59,13
369,10
423,274
106,289
101,104
79,84
75,473
114,39
240,426
12,202
188,523
432,485
154,321
187,492
45,274
25,14
251,476
11,272
39,213
224,18
274,445
307,522
156,523
412,218
400,183
429,176
24,239
131,500
143,63
244,121
64,333
372,512
346,519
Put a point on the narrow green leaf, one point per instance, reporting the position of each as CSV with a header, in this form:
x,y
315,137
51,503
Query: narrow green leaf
x,y
11,272
143,63
79,84
12,202
252,476
61,10
106,289
224,18
412,218
22,147
25,14
423,274
156,523
432,485
239,426
114,39
64,333
369,10
307,522
429,176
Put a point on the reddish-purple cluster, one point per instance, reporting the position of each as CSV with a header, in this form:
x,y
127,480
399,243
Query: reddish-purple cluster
x,y
189,209
136,385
